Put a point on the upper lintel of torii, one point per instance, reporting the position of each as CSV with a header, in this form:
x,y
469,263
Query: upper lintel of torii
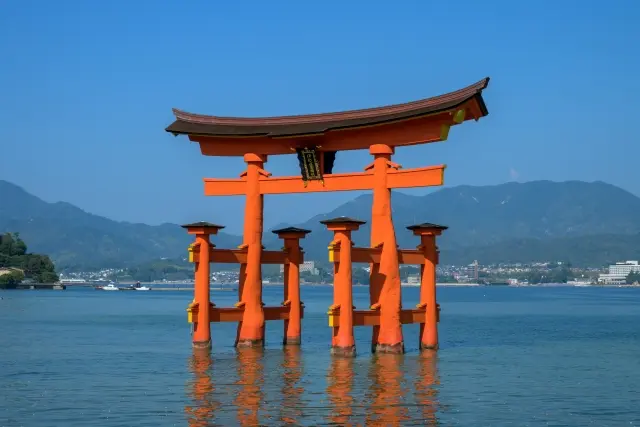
x,y
418,122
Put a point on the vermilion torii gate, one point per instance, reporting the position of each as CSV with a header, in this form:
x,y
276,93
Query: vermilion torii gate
x,y
316,139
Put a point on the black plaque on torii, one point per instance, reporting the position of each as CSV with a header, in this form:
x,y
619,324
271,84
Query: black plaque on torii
x,y
309,164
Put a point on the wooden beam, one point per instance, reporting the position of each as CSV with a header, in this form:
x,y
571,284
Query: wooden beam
x,y
225,187
239,256
401,178
403,132
372,317
419,130
410,257
234,314
418,177
332,182
372,255
363,255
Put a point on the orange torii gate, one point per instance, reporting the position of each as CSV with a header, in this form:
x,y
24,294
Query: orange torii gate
x,y
316,139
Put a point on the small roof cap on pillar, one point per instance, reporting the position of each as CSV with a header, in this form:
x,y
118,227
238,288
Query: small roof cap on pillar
x,y
342,220
291,230
203,227
342,223
427,227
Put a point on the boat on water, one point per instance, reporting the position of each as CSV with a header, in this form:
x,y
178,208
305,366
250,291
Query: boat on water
x,y
488,283
139,287
579,283
110,287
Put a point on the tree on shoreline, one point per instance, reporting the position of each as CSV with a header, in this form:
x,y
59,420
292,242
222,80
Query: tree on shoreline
x,y
633,277
16,264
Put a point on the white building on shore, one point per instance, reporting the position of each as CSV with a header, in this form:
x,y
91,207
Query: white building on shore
x,y
618,272
309,266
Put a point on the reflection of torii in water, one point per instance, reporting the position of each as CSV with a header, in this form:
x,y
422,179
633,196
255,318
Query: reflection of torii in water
x,y
250,368
388,393
383,386
427,381
203,408
292,407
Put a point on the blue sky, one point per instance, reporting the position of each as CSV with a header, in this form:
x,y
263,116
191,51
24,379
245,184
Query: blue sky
x,y
88,87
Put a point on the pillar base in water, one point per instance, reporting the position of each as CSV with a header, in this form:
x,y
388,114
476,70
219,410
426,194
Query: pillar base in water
x,y
291,341
391,349
429,347
251,343
202,345
344,351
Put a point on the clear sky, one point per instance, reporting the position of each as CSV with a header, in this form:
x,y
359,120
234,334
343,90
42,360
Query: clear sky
x,y
87,89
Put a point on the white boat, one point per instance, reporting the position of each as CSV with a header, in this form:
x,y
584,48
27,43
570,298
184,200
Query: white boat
x,y
110,287
139,287
580,283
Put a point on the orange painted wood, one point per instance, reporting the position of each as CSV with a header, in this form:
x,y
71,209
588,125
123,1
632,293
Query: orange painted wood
x,y
225,187
332,182
429,333
403,178
372,255
238,146
410,256
362,255
417,177
239,256
404,132
372,317
420,130
233,314
201,289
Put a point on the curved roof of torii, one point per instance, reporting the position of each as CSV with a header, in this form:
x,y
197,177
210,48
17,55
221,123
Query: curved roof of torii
x,y
198,124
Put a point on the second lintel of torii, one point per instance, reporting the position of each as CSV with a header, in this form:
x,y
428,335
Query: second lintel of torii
x,y
396,178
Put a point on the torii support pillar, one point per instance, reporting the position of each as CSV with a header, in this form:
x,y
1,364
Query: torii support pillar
x,y
292,325
428,302
342,341
202,285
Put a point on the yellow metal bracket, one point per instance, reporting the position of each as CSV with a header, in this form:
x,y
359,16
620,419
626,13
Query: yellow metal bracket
x,y
192,311
191,249
459,116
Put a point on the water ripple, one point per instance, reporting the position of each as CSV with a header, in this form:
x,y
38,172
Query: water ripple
x,y
509,357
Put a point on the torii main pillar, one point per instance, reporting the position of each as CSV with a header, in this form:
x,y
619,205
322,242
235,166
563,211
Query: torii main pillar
x,y
251,329
384,281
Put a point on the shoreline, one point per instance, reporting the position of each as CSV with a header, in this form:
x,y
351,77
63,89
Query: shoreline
x,y
234,286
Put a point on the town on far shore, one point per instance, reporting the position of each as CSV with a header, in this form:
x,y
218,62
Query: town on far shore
x,y
21,269
624,273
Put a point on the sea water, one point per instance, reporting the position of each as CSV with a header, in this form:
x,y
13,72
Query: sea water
x,y
557,356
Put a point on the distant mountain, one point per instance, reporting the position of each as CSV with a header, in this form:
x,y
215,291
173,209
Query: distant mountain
x,y
76,239
482,216
594,222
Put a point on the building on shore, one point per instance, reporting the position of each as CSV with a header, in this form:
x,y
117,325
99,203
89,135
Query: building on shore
x,y
618,272
307,266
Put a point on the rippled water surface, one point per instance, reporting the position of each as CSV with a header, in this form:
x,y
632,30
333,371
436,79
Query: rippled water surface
x,y
510,356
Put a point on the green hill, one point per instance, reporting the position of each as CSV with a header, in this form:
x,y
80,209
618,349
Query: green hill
x,y
479,218
76,239
589,223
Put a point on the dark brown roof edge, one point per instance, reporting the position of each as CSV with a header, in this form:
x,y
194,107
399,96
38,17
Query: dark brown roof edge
x,y
179,127
465,93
